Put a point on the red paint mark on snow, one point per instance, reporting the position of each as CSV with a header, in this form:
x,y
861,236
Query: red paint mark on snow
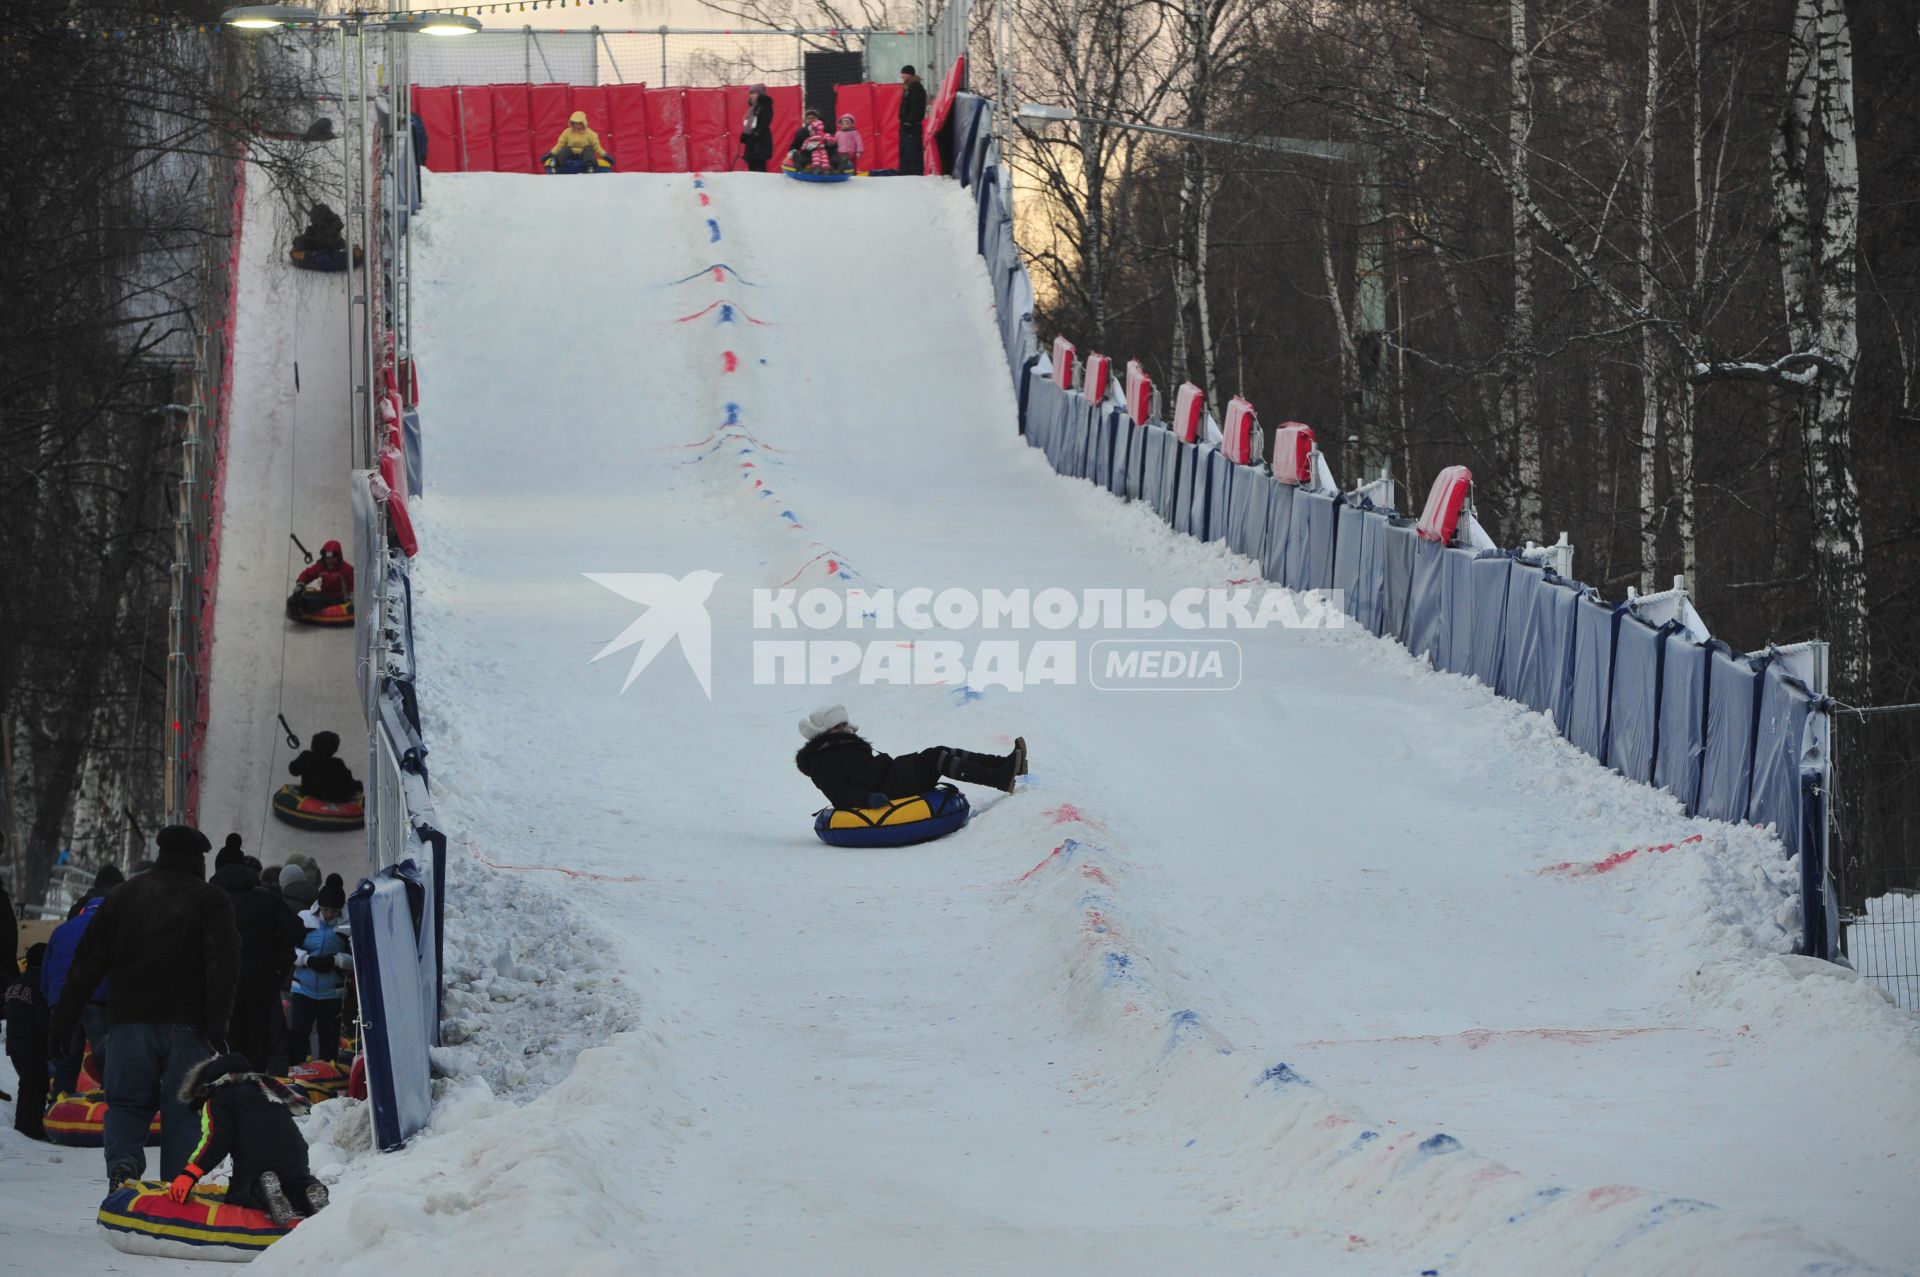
x,y
832,566
746,465
729,361
1355,1241
1333,1121
1067,812
1043,864
1599,1199
1096,873
1474,1039
1583,869
579,875
704,310
704,199
719,274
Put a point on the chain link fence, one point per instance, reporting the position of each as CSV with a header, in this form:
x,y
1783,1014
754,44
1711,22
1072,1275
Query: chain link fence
x,y
1877,833
689,57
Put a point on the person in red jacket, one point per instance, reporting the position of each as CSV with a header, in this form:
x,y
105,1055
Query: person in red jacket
x,y
325,582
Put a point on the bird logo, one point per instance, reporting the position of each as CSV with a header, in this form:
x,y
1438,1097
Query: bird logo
x,y
676,607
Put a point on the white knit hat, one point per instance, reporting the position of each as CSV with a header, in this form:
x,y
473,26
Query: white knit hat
x,y
823,720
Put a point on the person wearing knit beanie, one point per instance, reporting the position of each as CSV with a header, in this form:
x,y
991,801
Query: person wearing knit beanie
x,y
230,854
852,774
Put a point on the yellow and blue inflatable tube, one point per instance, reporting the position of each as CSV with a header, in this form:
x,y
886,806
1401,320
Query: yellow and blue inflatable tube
x,y
80,1121
901,823
291,806
140,1219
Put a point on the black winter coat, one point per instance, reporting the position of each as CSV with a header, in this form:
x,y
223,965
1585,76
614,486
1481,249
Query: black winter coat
x,y
167,939
27,1021
913,106
851,773
245,1116
759,138
327,779
269,931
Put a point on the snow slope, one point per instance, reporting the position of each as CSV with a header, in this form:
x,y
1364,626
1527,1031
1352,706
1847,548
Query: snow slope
x,y
288,455
1281,980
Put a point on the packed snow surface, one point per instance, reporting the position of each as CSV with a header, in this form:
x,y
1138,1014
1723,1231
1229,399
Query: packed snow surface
x,y
1342,971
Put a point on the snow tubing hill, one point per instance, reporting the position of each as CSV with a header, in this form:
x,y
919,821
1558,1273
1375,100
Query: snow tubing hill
x,y
311,813
141,1219
79,1121
900,823
803,175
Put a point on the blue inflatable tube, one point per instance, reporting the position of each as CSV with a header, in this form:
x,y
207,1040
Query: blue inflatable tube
x,y
803,175
900,823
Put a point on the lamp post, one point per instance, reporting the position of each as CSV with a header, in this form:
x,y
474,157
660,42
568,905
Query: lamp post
x,y
1371,339
357,193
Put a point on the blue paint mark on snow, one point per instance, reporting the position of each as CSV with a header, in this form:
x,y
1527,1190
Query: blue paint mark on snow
x,y
713,227
1360,1141
1282,1074
733,414
1672,1208
788,514
1118,968
1190,1143
1545,1197
1439,1144
963,694
726,313
1182,1027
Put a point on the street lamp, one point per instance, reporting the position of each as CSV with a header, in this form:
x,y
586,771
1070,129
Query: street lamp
x,y
267,17
1035,117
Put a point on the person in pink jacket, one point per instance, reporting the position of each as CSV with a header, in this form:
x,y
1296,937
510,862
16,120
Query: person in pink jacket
x,y
852,149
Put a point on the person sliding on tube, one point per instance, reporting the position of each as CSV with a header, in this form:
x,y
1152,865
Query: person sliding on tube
x,y
851,773
325,582
578,150
249,1117
322,775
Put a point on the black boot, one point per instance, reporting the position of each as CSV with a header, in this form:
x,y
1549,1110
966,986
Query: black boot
x,y
995,771
1019,755
279,1209
316,1198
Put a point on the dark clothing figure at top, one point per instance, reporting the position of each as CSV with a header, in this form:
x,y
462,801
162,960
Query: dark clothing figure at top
x,y
27,1045
322,775
329,578
851,773
325,232
913,114
249,1117
167,938
269,932
756,131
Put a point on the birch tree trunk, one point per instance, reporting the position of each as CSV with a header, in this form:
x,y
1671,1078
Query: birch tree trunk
x,y
1519,414
1651,356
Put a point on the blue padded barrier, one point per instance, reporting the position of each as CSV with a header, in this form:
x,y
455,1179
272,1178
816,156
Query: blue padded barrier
x,y
1163,472
1247,501
1779,741
1311,537
1426,601
1180,503
1346,556
1100,464
1220,476
1490,572
1462,619
1633,731
1523,588
1024,382
1396,571
1590,694
1299,541
1136,468
1077,435
1370,609
393,935
1683,720
1546,647
1733,707
416,465
1280,498
1043,407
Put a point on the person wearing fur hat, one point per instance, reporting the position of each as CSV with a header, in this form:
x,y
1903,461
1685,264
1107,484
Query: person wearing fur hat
x,y
851,773
322,775
249,1117
167,939
321,962
269,933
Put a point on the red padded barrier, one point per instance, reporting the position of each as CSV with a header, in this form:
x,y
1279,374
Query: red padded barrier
x,y
1445,500
937,113
593,100
474,111
1242,433
788,106
629,143
736,100
857,99
549,105
389,489
1189,412
667,130
1063,363
1095,372
1293,453
1139,393
713,135
512,129
883,139
436,110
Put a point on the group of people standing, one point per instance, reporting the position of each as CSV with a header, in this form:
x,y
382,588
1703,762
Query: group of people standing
x,y
168,970
842,147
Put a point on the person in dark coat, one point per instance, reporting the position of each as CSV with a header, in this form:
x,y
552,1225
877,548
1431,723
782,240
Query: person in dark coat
x,y
167,939
9,927
322,775
321,965
249,1117
851,773
94,1029
756,131
27,1045
325,232
269,932
913,114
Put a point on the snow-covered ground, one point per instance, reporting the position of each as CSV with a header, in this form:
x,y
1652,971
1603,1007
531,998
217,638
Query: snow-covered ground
x,y
1315,976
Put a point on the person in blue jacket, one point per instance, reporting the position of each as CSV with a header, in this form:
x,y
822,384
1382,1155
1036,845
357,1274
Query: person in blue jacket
x,y
319,976
67,1057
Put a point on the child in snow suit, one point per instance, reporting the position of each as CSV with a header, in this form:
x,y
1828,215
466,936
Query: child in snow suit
x,y
578,150
800,154
320,962
249,1117
819,148
27,1017
848,143
851,773
325,581
322,775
